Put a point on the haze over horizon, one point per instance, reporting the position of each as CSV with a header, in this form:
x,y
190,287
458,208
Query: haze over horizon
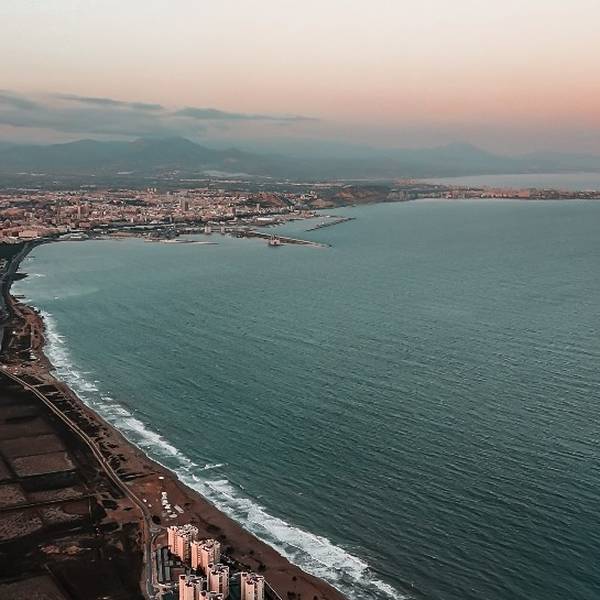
x,y
510,77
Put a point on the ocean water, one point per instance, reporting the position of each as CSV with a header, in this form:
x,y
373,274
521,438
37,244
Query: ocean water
x,y
411,413
560,181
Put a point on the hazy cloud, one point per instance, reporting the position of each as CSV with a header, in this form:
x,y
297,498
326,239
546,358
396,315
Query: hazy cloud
x,y
89,115
108,102
214,114
86,118
15,101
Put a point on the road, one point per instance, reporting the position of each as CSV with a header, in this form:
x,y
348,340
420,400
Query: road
x,y
148,529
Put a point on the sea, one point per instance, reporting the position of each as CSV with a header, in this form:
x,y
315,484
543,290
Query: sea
x,y
410,413
558,181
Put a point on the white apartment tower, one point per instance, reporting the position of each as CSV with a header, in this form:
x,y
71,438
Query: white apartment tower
x,y
204,553
218,579
252,586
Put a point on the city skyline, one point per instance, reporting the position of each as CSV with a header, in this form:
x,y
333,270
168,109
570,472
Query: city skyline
x,y
510,77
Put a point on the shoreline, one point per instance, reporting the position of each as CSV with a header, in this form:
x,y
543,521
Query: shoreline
x,y
151,478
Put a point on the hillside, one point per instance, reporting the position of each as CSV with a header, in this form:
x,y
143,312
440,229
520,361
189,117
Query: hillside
x,y
157,156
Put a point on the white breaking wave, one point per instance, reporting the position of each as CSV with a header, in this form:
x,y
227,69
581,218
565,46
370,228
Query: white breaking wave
x,y
315,554
209,467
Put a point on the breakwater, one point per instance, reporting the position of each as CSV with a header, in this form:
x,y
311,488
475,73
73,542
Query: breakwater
x,y
331,222
283,239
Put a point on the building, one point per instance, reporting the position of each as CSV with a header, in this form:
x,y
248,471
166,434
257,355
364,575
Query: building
x,y
252,586
179,539
191,587
218,579
29,234
211,596
205,552
171,533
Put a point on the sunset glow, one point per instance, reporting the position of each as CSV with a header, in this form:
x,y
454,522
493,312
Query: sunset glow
x,y
512,75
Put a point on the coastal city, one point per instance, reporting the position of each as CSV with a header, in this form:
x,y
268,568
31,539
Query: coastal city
x,y
299,300
217,206
27,216
66,476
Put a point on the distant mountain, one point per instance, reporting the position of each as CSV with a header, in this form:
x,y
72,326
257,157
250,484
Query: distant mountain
x,y
91,155
163,155
454,159
557,161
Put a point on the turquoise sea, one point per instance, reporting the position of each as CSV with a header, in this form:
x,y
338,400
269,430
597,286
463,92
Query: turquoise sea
x,y
411,413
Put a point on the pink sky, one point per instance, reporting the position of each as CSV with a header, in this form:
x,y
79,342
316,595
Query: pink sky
x,y
510,74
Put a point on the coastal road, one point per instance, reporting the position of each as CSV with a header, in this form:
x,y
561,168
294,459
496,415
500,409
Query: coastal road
x,y
6,279
112,475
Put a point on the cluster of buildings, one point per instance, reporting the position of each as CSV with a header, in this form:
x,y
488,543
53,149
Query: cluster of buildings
x,y
209,578
461,192
29,214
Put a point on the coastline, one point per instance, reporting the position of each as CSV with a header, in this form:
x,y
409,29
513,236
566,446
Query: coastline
x,y
149,477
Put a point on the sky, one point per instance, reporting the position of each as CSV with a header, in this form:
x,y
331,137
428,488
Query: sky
x,y
508,75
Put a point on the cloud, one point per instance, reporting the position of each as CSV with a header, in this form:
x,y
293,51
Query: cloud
x,y
90,115
108,102
15,101
86,118
219,115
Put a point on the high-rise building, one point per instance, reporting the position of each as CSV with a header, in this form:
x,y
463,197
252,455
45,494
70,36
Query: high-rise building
x,y
179,539
191,587
205,552
218,579
171,533
252,586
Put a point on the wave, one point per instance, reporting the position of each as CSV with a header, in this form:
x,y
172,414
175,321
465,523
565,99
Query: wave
x,y
209,467
315,554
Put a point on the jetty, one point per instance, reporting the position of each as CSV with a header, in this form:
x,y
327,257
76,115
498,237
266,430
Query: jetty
x,y
284,240
331,222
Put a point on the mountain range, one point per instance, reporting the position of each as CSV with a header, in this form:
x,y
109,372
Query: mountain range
x,y
156,156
